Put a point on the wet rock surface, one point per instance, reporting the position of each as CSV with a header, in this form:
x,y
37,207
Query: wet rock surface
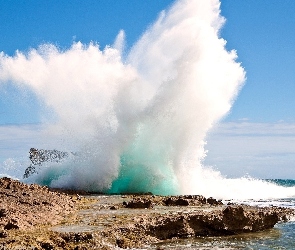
x,y
27,213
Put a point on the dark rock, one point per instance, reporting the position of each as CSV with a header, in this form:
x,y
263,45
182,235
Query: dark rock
x,y
176,201
123,242
76,237
185,200
11,225
3,234
213,201
195,198
2,212
138,203
47,245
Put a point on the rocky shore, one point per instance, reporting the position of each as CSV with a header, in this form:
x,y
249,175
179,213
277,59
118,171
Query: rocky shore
x,y
35,217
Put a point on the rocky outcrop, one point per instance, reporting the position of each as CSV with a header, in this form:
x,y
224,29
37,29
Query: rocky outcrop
x,y
229,221
148,201
24,206
189,200
128,221
209,221
39,156
138,203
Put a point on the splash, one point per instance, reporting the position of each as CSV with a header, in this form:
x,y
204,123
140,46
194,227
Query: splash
x,y
137,123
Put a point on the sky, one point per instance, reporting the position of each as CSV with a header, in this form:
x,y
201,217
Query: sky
x,y
256,138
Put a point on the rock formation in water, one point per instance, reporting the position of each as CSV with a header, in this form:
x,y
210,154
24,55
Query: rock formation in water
x,y
128,221
39,156
196,216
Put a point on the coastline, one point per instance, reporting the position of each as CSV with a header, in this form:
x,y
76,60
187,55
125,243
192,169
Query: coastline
x,y
35,217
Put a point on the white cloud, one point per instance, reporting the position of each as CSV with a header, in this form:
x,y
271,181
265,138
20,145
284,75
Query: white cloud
x,y
263,150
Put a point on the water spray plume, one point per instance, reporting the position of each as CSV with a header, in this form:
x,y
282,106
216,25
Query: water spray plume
x,y
138,123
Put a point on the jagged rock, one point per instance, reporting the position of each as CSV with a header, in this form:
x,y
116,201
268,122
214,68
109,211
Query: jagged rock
x,y
176,201
24,206
76,237
138,203
39,156
124,242
2,212
3,234
180,200
213,201
189,200
11,225
48,245
230,221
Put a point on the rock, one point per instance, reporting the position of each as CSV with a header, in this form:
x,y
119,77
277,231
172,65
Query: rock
x,y
76,237
230,221
25,206
189,200
124,242
2,212
213,201
48,245
3,234
176,201
196,199
138,203
11,225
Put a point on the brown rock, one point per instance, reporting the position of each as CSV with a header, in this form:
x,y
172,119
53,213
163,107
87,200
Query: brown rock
x,y
213,201
48,245
25,206
11,225
176,201
138,203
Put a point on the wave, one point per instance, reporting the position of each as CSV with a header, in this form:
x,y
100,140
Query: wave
x,y
138,122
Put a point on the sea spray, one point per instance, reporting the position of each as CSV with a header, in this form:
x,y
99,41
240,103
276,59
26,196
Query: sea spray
x,y
138,123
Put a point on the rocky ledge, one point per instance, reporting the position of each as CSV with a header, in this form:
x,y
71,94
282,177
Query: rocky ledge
x,y
25,206
28,212
196,216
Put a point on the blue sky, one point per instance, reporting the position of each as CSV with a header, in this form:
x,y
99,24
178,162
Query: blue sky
x,y
262,32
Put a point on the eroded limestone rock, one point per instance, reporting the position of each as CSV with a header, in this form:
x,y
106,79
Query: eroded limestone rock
x,y
23,206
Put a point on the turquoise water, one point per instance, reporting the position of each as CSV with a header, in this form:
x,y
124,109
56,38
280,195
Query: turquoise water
x,y
283,182
135,177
